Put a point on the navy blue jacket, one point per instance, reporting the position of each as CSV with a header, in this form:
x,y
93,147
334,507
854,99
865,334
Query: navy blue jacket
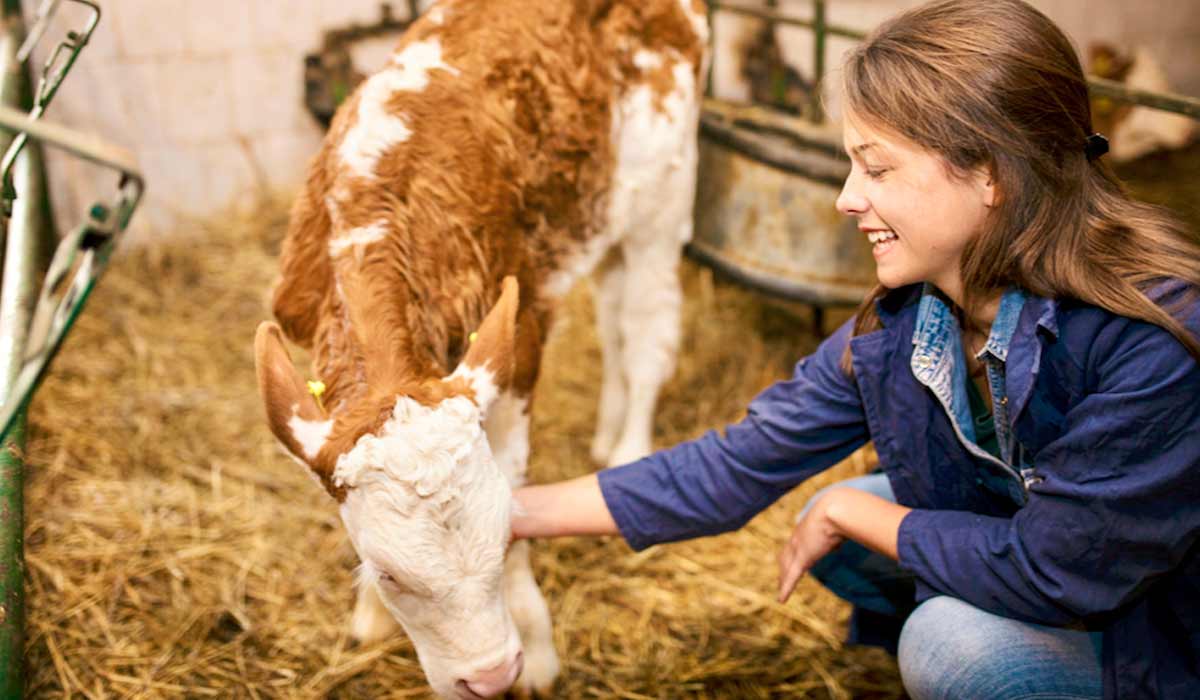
x,y
1105,409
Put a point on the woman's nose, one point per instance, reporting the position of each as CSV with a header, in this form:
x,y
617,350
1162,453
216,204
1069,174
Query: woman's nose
x,y
850,202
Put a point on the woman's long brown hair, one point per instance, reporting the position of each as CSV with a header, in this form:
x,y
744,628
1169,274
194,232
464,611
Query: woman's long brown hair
x,y
996,84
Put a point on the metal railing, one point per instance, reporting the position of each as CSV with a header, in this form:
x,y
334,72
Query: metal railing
x,y
35,318
1166,101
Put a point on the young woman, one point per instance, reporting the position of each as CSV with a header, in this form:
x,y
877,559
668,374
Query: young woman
x,y
1027,368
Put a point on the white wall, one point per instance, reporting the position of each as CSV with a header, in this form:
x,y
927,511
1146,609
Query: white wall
x,y
209,96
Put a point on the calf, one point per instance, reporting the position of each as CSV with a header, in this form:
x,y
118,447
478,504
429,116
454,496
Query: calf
x,y
508,148
1134,131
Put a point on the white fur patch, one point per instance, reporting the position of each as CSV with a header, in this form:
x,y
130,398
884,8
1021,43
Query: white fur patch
x,y
419,445
507,427
699,20
377,129
483,381
363,235
558,283
310,434
653,146
647,60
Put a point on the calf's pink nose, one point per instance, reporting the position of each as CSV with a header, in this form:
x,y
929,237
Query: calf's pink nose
x,y
493,681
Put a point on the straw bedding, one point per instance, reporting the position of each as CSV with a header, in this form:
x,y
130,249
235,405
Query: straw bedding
x,y
173,551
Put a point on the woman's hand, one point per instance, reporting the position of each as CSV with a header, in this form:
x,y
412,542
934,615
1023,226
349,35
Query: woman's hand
x,y
838,515
813,537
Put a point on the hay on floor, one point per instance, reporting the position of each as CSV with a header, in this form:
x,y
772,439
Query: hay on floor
x,y
173,551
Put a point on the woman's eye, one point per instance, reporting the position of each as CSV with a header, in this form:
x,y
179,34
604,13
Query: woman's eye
x,y
876,174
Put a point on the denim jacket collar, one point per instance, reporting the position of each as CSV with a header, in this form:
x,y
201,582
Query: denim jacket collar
x,y
937,361
1005,324
935,321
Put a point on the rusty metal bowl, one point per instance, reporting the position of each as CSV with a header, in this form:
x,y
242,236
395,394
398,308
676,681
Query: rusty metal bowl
x,y
765,207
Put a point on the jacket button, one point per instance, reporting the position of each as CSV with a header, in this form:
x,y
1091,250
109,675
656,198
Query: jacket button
x,y
923,362
1003,400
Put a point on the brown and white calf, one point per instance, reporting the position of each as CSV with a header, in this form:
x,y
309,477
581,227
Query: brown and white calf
x,y
1134,131
508,148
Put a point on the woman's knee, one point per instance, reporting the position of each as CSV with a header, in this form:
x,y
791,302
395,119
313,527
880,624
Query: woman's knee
x,y
951,649
937,646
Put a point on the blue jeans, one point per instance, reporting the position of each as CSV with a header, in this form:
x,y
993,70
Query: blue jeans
x,y
949,649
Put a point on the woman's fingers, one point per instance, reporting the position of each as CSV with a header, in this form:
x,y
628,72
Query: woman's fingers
x,y
788,580
791,565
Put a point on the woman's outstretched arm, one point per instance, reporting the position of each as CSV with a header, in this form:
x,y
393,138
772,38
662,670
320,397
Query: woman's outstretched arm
x,y
573,507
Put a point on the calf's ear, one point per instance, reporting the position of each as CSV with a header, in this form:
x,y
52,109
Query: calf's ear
x,y
491,358
293,414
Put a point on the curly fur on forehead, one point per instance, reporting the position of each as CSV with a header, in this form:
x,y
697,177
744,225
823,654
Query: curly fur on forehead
x,y
422,447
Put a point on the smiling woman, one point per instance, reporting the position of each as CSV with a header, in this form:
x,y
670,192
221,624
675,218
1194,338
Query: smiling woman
x,y
912,244
1026,367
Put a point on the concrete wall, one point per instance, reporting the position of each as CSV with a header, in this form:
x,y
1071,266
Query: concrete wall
x,y
208,93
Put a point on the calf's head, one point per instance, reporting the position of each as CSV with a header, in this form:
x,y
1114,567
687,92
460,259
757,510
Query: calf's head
x,y
422,498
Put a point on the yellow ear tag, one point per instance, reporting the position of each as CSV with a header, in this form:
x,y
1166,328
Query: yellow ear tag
x,y
473,337
317,388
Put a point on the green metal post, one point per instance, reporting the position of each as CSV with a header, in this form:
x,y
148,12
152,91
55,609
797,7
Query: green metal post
x,y
25,257
819,32
712,45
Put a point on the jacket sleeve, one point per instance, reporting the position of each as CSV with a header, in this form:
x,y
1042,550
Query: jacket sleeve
x,y
792,430
1118,504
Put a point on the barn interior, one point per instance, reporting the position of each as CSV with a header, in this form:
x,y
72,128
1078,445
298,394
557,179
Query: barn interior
x,y
173,550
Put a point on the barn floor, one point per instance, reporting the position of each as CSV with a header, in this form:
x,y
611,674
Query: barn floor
x,y
173,551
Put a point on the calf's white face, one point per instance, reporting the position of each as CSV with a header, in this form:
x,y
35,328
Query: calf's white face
x,y
427,510
423,500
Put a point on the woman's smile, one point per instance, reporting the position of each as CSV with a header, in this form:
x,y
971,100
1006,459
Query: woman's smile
x,y
882,240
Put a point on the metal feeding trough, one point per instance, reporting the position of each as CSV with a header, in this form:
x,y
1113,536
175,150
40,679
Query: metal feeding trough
x,y
765,210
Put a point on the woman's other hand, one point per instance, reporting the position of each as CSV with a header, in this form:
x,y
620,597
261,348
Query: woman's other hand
x,y
838,515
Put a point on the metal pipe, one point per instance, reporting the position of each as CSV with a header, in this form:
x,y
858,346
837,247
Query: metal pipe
x,y
25,256
779,18
1166,101
820,28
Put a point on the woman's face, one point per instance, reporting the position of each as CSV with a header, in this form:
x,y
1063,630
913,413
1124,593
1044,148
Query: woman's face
x,y
916,214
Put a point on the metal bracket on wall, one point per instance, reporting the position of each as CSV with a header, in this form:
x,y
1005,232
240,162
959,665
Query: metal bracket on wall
x,y
329,74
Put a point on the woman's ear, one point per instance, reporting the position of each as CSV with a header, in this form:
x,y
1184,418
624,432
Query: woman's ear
x,y
989,189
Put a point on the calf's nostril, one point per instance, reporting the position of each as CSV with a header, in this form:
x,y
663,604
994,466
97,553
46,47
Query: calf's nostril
x,y
494,681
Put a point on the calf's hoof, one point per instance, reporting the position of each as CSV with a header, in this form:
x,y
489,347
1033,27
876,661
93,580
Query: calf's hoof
x,y
541,669
371,622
